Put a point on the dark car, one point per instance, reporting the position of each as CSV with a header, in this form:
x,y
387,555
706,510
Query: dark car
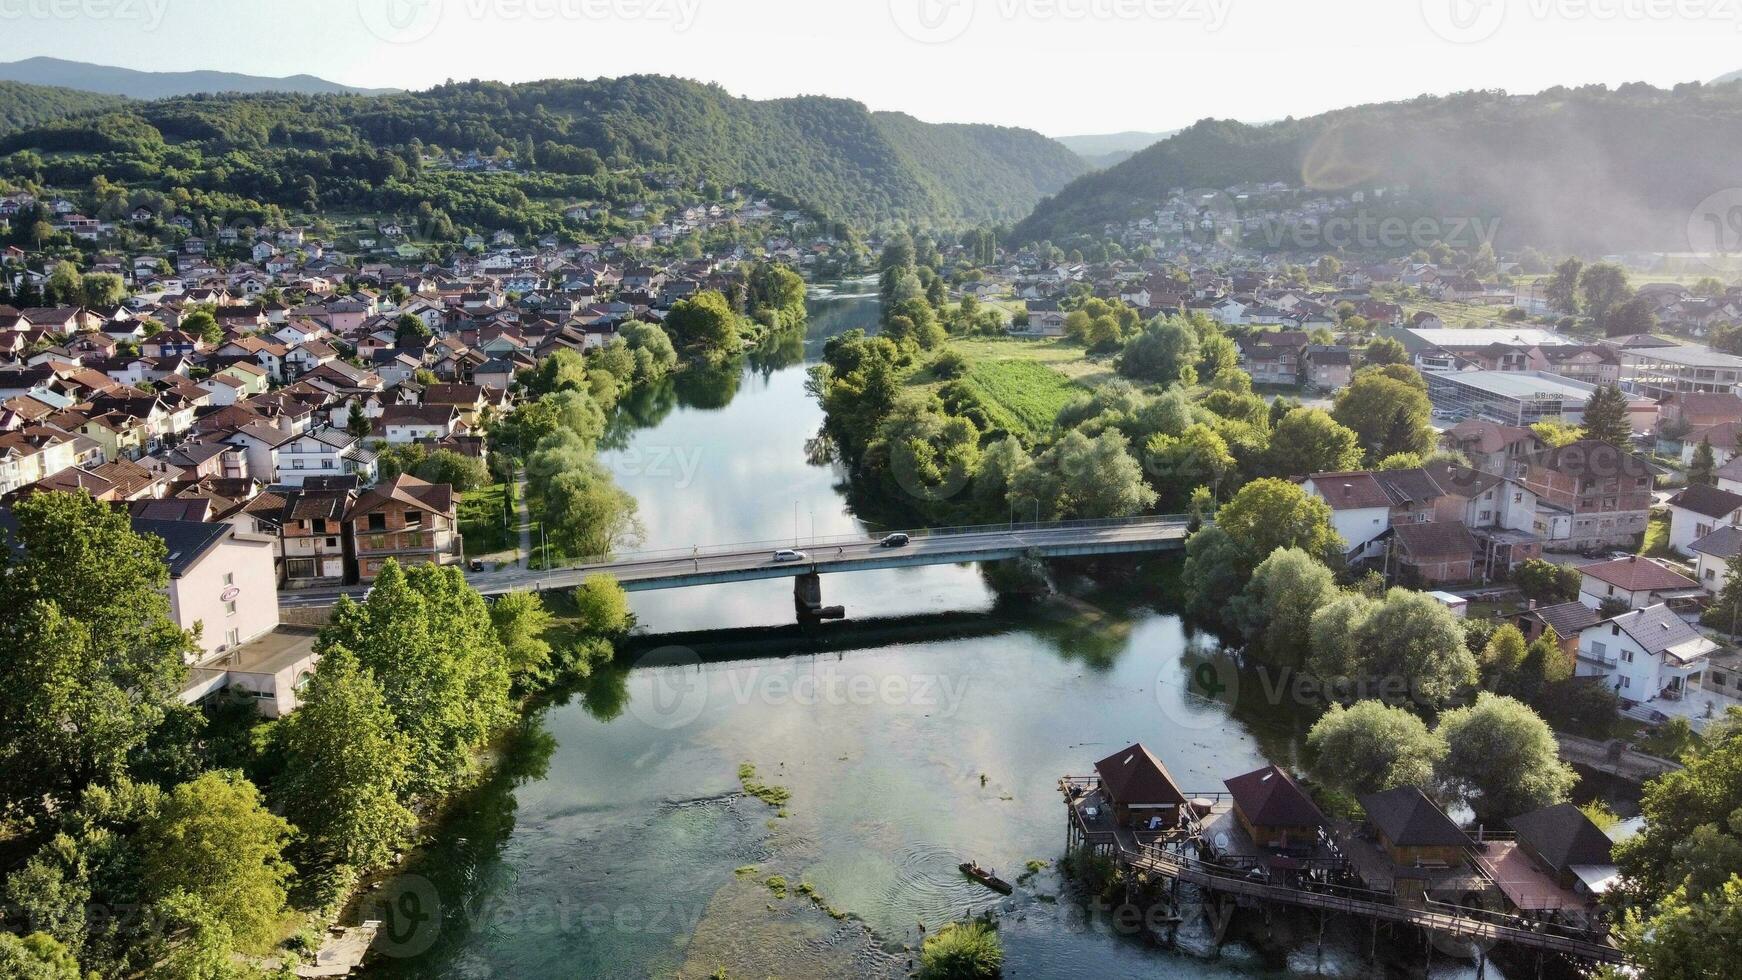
x,y
476,564
896,540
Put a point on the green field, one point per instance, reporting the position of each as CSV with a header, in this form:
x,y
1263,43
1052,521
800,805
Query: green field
x,y
481,520
1021,396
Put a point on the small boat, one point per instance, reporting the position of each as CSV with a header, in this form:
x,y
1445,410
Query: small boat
x,y
986,878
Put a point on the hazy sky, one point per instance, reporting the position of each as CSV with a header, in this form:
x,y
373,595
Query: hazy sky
x,y
1060,66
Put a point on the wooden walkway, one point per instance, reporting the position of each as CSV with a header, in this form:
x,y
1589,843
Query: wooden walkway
x,y
1612,758
1448,920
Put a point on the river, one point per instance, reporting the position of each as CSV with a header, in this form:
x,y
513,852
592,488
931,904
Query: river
x,y
614,842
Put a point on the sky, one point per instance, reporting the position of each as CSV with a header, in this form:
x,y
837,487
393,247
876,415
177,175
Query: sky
x,y
1062,67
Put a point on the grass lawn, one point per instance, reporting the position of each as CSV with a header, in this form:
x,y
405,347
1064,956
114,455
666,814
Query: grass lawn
x,y
1656,544
481,520
1021,396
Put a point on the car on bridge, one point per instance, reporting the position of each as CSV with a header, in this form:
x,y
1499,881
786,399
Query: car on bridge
x,y
896,540
787,554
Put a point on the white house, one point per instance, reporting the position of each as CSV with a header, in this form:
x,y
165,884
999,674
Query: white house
x,y
1698,511
1645,654
1360,508
1639,582
1712,555
327,452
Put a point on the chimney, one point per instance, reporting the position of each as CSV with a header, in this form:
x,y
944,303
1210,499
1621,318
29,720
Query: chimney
x,y
1531,606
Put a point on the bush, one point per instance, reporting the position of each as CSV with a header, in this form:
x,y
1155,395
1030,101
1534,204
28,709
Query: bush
x,y
961,951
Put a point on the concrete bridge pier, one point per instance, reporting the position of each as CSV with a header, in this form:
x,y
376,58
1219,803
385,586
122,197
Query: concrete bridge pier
x,y
807,599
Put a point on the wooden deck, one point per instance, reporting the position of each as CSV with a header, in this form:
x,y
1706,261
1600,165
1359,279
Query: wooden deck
x,y
1154,858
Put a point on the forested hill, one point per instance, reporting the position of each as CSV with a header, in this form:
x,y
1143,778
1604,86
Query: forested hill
x,y
136,84
27,106
1590,169
832,156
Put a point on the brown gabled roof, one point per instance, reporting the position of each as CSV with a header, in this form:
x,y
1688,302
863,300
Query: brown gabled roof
x,y
1135,776
1436,541
1269,798
1409,819
1350,491
437,498
1636,574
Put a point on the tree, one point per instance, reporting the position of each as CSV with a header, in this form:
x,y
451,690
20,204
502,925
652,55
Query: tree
x,y
655,357
1704,468
101,290
1412,646
1606,418
345,767
1385,350
961,951
1165,352
521,620
90,662
38,956
1079,477
601,606
1502,656
1371,747
201,324
1726,612
1562,290
1215,572
1276,610
1546,582
705,321
1502,758
1387,415
213,840
1691,839
1309,440
1635,316
1268,514
1555,433
1603,289
1686,936
64,284
1198,457
427,638
1333,639
409,330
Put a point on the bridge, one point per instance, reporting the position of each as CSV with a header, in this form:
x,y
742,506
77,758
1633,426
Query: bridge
x,y
749,561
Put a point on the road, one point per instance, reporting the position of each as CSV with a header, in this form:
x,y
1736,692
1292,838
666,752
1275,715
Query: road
x,y
747,562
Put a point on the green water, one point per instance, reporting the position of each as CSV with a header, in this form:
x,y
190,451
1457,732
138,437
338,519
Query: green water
x,y
611,842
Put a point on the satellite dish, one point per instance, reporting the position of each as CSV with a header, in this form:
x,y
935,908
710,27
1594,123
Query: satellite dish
x,y
1221,841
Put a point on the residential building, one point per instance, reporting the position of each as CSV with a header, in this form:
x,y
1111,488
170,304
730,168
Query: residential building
x,y
1589,494
313,538
405,519
1645,655
1360,509
1638,582
1699,510
222,582
322,453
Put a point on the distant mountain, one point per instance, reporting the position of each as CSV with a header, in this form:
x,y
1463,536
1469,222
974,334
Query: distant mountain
x,y
833,157
1106,149
1735,76
1588,169
28,106
109,80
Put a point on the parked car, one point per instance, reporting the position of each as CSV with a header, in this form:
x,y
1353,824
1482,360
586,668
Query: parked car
x,y
896,540
787,554
476,564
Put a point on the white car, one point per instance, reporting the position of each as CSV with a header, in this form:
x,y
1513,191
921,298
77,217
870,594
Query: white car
x,y
787,554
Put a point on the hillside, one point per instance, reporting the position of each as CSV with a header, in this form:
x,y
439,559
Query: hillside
x,y
28,106
1103,150
109,80
831,156
1588,169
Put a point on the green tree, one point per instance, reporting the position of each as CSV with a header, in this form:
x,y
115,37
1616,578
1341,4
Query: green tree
x,y
705,322
427,638
1371,747
101,290
90,662
1215,572
38,956
1603,288
1333,637
357,422
1546,582
1692,837
521,621
1165,351
1268,514
1411,646
201,324
1309,440
1276,610
409,330
1686,937
345,768
1704,468
1079,477
601,606
214,840
1385,350
1562,290
1502,758
1198,457
1555,433
1606,418
1387,415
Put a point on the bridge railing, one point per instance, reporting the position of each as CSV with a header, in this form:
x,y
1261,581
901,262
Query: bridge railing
x,y
803,543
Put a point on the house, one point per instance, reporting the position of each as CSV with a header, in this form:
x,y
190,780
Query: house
x,y
222,581
274,670
408,520
1567,619
312,537
1712,555
1589,494
1437,551
1568,847
1638,582
1414,832
402,424
325,452
1699,510
1329,368
1645,654
1360,509
1273,810
1492,447
1139,789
